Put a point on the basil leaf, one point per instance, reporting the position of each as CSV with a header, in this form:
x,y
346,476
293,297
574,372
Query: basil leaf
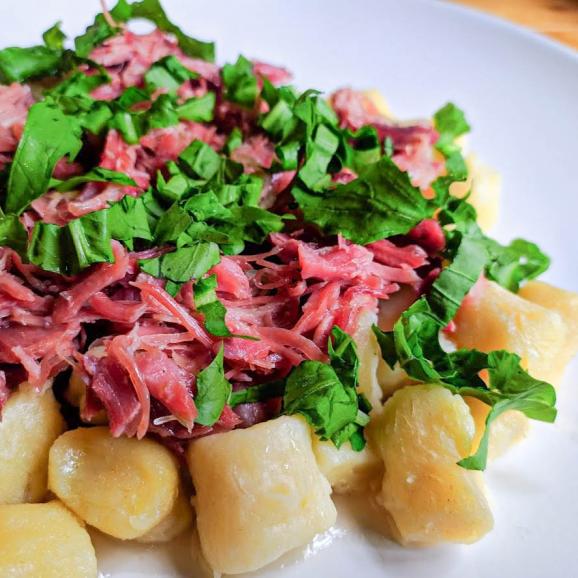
x,y
208,304
240,83
96,175
189,263
380,203
48,136
343,357
128,220
213,391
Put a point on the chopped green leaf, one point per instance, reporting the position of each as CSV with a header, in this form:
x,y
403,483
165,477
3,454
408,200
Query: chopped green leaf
x,y
48,136
200,160
189,263
54,37
207,302
256,393
168,73
213,391
199,109
96,175
13,234
380,203
20,64
240,83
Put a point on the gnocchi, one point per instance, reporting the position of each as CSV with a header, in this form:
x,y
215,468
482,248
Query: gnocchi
x,y
422,433
259,494
44,541
30,423
122,486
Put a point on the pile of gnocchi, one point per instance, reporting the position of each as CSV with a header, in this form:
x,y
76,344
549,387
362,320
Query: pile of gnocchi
x,y
259,492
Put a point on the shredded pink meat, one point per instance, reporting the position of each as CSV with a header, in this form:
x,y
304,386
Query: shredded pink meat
x,y
15,100
142,368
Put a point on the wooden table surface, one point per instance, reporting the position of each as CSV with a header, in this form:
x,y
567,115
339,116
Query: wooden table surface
x,y
555,18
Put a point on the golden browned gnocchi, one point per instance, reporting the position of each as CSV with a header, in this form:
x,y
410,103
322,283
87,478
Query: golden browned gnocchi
x,y
259,494
30,422
422,433
123,486
44,541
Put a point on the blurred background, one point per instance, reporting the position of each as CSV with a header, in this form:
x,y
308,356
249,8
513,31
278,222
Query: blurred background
x,y
555,18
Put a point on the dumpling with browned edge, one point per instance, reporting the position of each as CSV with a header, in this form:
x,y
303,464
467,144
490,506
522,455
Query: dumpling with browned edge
x,y
30,422
423,431
44,541
259,494
123,486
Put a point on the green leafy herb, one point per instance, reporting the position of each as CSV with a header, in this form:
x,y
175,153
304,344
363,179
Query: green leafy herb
x,y
12,233
96,175
207,302
20,64
380,203
326,395
54,37
48,136
201,109
256,393
213,391
69,249
414,344
240,83
188,263
168,73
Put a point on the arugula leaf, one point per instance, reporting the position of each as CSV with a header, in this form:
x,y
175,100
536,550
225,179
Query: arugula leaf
x,y
320,151
54,37
100,30
96,175
512,264
128,220
451,123
189,263
326,394
200,160
213,391
13,234
414,344
201,109
20,64
240,83
168,73
256,393
469,256
48,136
69,249
380,203
208,304
314,390
152,10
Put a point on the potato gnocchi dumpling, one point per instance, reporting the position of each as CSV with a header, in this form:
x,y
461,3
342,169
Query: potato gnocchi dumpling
x,y
346,470
563,302
30,423
508,429
171,526
122,486
259,494
493,318
44,541
422,433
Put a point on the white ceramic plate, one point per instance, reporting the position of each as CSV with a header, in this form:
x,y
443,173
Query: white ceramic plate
x,y
520,92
